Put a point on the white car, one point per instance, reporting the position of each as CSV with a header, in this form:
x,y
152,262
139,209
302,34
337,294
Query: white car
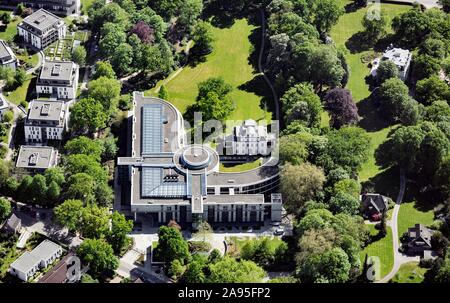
x,y
279,231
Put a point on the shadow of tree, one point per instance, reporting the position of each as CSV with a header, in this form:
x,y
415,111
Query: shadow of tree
x,y
386,183
354,6
371,120
259,87
358,43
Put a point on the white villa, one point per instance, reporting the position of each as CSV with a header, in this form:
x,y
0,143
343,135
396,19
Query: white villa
x,y
401,58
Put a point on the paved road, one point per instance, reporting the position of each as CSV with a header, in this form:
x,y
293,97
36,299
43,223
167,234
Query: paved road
x,y
41,59
399,258
425,3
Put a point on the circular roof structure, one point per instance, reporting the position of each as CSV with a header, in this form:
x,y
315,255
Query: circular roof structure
x,y
196,158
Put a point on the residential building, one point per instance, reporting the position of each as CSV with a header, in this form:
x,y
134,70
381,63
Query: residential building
x,y
373,205
13,225
7,56
59,272
4,106
37,158
167,178
46,120
249,139
418,240
59,79
401,58
29,263
41,29
58,7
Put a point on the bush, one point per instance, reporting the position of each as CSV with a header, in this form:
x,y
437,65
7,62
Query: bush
x,y
24,104
199,246
8,116
3,151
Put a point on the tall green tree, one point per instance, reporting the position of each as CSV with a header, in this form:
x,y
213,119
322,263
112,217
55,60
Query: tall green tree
x,y
89,115
70,214
120,228
99,256
171,245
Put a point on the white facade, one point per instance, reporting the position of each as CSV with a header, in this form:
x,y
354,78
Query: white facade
x,y
251,139
4,106
63,85
41,34
400,57
46,120
7,57
29,263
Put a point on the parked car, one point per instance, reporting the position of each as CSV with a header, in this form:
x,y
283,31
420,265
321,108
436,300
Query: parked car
x,y
279,231
277,223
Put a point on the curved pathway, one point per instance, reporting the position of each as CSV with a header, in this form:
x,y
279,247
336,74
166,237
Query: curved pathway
x,y
260,68
399,258
41,59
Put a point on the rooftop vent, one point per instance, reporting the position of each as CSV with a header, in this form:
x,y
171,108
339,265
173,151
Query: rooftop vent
x,y
40,19
56,70
45,109
32,160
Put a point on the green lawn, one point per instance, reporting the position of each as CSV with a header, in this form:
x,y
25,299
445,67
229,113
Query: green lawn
x,y
85,5
348,25
382,249
409,215
20,93
229,60
10,31
239,167
410,273
236,243
31,60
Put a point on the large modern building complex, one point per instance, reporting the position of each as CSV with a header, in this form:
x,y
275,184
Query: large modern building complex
x,y
58,78
46,120
41,28
170,179
59,7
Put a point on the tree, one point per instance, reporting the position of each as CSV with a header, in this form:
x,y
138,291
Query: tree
x,y
112,36
20,8
411,26
194,272
433,47
55,174
348,186
95,223
104,69
386,70
80,163
176,269
163,93
204,231
326,14
189,12
213,99
110,148
374,28
294,148
23,189
301,103
20,77
5,208
426,66
53,192
120,228
171,245
300,183
81,186
104,194
344,202
8,116
99,256
432,89
445,5
79,55
38,189
258,251
203,38
122,58
144,32
88,114
229,270
347,147
84,145
339,102
331,266
395,102
69,214
383,228
106,91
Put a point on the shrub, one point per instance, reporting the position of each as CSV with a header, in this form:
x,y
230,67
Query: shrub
x,y
199,246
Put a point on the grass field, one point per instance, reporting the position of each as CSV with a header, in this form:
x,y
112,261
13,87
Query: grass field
x,y
239,167
382,249
410,273
349,24
31,60
230,60
20,93
10,31
236,243
85,5
409,215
